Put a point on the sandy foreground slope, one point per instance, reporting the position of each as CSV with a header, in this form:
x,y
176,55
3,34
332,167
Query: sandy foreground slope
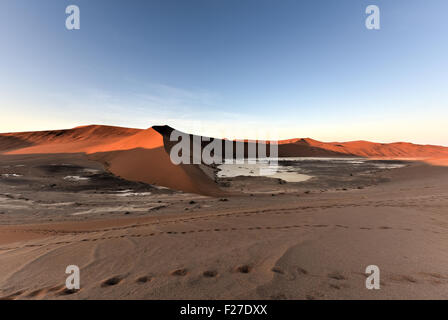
x,y
293,245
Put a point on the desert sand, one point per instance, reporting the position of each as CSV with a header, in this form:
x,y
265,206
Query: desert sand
x,y
108,200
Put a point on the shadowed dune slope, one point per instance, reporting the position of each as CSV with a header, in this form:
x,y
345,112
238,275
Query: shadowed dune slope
x,y
284,149
312,148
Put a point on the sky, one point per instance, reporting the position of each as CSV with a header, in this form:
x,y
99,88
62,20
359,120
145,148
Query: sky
x,y
259,69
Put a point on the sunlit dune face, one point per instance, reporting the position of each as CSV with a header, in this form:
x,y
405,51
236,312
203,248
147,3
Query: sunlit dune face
x,y
88,140
146,139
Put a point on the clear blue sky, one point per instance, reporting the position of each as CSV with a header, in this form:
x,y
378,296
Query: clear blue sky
x,y
235,68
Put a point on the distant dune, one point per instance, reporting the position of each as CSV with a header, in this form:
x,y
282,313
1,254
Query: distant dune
x,y
79,139
435,155
369,149
143,155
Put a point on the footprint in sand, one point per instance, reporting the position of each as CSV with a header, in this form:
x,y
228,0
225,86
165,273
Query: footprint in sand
x,y
434,275
12,296
56,288
301,270
144,279
277,270
244,269
66,292
403,278
335,286
112,281
210,274
290,275
179,272
336,276
36,293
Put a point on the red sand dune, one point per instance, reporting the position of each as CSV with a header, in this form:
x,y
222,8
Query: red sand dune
x,y
371,149
79,139
143,155
133,154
